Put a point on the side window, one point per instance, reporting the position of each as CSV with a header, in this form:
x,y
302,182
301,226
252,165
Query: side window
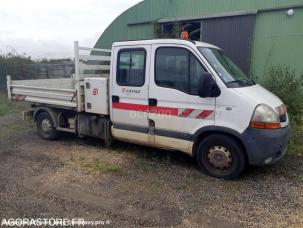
x,y
196,72
131,67
178,69
172,68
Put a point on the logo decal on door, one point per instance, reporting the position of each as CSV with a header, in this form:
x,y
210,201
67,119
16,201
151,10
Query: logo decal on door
x,y
131,91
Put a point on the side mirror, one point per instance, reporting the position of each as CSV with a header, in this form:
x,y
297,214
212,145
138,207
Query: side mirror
x,y
208,86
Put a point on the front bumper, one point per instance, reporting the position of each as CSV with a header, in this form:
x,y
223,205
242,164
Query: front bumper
x,y
266,146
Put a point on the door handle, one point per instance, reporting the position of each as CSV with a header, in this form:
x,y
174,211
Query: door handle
x,y
115,99
152,102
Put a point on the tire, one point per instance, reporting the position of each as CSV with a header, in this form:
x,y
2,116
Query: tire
x,y
45,126
221,156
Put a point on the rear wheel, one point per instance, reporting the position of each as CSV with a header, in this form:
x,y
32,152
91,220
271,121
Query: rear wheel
x,y
46,127
221,156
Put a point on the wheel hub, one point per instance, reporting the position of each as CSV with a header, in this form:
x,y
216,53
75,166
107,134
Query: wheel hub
x,y
219,157
46,125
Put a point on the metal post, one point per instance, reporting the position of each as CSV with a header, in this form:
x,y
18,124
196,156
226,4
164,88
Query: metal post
x,y
76,52
201,28
77,76
9,82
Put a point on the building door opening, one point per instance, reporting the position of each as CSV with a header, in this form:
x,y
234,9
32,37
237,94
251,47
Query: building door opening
x,y
234,34
174,29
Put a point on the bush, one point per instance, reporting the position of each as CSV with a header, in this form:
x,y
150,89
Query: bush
x,y
287,85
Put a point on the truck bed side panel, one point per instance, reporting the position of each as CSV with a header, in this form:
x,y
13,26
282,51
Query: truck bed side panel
x,y
59,92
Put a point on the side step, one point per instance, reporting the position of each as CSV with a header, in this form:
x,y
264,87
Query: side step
x,y
70,130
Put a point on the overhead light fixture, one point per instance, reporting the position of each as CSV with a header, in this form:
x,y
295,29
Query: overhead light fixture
x,y
290,12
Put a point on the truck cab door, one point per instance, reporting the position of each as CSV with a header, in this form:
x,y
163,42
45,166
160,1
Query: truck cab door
x,y
129,93
177,111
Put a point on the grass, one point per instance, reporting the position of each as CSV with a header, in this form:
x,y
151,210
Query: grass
x,y
7,106
97,166
146,166
296,145
296,176
11,128
186,184
4,105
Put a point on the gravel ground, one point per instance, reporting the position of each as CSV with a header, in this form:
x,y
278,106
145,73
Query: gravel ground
x,y
129,185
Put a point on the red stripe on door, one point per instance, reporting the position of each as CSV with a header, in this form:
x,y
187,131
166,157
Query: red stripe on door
x,y
204,114
131,107
186,112
160,110
145,108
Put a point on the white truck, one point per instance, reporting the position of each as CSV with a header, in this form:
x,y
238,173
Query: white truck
x,y
172,94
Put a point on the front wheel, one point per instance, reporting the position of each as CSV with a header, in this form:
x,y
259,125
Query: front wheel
x,y
45,126
221,156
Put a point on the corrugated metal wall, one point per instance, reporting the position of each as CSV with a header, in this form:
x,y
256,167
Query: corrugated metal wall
x,y
153,10
278,39
149,11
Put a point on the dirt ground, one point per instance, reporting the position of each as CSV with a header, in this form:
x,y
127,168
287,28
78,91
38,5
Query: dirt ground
x,y
129,185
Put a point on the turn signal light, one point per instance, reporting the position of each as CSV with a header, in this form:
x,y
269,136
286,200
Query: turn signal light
x,y
260,125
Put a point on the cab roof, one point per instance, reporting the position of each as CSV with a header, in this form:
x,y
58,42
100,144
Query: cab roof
x,y
164,41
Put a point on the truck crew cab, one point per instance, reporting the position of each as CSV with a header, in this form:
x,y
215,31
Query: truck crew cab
x,y
172,94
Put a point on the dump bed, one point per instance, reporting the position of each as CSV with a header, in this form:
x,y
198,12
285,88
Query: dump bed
x,y
66,93
55,92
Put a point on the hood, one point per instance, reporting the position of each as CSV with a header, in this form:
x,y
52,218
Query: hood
x,y
260,95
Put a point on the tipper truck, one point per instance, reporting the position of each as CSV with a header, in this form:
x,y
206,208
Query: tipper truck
x,y
174,94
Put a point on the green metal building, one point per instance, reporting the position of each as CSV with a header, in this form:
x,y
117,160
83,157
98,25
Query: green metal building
x,y
254,33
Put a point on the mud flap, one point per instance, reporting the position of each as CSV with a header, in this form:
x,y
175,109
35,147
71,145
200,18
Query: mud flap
x,y
28,115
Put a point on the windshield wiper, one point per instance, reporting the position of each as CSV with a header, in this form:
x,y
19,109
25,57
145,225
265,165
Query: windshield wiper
x,y
242,81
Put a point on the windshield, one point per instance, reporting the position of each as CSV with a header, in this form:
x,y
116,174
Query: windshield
x,y
230,74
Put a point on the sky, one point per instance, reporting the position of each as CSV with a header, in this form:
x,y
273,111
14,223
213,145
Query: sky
x,y
48,28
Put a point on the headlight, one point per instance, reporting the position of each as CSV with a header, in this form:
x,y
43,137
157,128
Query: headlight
x,y
265,118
